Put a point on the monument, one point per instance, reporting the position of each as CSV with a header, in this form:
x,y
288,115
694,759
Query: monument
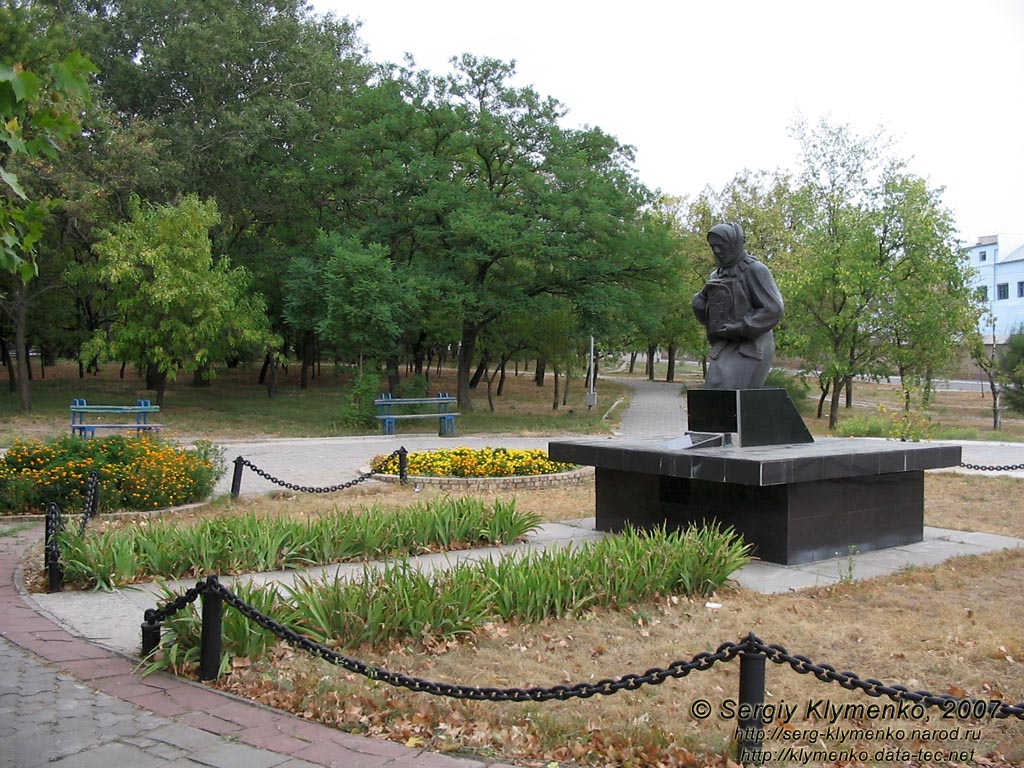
x,y
747,459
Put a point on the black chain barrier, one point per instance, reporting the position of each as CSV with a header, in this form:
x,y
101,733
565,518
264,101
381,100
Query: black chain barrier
x,y
994,468
51,548
750,645
241,462
52,563
91,508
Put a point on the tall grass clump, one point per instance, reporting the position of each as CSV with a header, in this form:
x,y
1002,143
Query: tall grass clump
x,y
399,603
171,549
135,472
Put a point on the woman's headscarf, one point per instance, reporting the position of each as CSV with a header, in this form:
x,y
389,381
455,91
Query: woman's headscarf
x,y
731,234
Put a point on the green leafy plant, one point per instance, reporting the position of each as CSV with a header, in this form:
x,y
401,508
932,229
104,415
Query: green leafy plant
x,y
399,602
358,410
246,543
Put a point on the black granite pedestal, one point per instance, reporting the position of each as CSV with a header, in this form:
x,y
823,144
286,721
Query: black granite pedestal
x,y
795,503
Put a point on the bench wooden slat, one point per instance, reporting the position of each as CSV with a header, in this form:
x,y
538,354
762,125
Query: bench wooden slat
x,y
416,415
141,410
115,409
446,418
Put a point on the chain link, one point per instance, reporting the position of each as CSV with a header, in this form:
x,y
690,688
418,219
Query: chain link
x,y
315,489
876,688
606,687
54,528
91,508
996,468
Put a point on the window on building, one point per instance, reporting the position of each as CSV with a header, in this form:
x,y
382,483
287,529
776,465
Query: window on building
x,y
1020,289
982,255
1002,291
983,292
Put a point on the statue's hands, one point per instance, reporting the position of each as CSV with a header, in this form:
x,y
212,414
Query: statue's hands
x,y
731,330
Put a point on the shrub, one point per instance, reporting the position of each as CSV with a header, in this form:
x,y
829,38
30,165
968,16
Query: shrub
x,y
359,412
470,462
1011,370
795,386
863,426
135,473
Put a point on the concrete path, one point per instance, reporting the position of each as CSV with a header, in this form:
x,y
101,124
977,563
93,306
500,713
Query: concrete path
x,y
70,693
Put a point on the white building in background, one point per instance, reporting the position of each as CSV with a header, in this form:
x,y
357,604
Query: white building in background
x,y
998,263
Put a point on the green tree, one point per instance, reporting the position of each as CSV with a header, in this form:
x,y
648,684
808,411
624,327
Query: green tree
x,y
926,308
177,309
538,209
42,86
1011,370
875,284
985,353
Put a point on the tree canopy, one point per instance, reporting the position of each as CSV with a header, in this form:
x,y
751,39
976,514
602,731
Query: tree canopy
x,y
375,213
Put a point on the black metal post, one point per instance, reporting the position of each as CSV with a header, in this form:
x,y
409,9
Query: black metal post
x,y
751,722
150,633
236,479
54,570
403,466
210,638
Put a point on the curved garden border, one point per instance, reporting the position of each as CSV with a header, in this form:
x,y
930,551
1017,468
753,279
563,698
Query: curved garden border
x,y
509,483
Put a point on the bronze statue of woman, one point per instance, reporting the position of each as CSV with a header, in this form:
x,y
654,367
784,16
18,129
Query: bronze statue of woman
x,y
739,306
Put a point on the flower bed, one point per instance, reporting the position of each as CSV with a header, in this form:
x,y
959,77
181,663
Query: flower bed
x,y
135,473
483,469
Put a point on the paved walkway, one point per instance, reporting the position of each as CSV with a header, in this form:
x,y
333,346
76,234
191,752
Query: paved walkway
x,y
70,693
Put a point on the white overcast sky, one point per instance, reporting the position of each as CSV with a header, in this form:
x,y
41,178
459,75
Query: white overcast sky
x,y
705,88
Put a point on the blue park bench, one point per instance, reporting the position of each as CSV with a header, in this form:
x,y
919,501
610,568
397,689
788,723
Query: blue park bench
x,y
444,412
80,409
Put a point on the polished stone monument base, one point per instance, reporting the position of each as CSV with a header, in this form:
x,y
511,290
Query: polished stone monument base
x,y
795,503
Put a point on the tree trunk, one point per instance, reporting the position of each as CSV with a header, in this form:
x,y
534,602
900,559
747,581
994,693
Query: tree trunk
x,y
161,388
539,370
264,370
12,374
997,412
153,376
21,345
478,374
419,354
565,388
272,375
849,392
652,350
394,379
467,349
502,375
671,374
201,377
833,412
554,401
632,360
307,359
490,393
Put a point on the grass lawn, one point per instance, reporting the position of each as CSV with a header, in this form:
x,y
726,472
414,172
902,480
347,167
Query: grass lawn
x,y
235,405
953,628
